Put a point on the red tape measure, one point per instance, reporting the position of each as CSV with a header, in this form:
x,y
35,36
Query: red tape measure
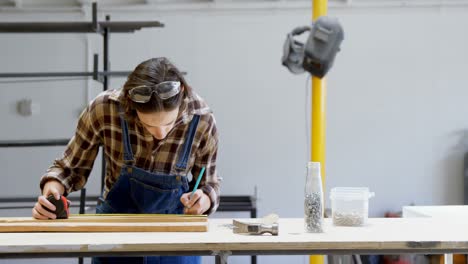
x,y
61,206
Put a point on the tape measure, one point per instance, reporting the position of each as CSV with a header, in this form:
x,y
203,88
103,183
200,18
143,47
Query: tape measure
x,y
61,206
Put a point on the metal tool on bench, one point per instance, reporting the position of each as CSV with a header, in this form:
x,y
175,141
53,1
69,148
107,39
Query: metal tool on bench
x,y
268,224
254,228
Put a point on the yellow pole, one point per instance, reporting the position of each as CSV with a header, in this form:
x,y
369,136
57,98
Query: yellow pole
x,y
318,124
319,8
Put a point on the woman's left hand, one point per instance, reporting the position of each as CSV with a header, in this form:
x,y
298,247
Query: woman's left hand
x,y
199,203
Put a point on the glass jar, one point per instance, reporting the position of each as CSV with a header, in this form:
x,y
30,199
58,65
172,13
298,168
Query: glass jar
x,y
313,199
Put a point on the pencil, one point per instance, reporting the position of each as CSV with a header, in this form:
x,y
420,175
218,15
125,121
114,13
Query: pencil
x,y
198,182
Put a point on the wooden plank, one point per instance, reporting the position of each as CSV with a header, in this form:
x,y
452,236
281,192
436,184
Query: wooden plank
x,y
53,226
110,218
107,223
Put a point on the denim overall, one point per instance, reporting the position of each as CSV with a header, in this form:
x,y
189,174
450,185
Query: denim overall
x,y
138,191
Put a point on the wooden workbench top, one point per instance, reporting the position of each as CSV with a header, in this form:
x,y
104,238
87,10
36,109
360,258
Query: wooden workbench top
x,y
379,236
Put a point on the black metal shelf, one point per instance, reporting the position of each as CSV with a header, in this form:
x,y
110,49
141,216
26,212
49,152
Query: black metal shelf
x,y
62,74
94,26
77,27
103,28
33,143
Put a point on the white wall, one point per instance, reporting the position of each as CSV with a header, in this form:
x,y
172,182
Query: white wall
x,y
396,106
395,99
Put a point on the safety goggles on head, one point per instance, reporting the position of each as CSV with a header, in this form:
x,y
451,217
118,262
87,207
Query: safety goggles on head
x,y
164,90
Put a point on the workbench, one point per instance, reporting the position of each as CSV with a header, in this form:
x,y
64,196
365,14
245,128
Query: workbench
x,y
438,211
379,236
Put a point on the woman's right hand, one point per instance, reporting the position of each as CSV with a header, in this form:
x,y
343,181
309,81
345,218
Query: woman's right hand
x,y
51,187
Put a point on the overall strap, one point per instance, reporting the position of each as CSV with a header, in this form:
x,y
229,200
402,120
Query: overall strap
x,y
187,147
128,154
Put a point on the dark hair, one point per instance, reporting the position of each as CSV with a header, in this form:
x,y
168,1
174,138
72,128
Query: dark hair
x,y
152,72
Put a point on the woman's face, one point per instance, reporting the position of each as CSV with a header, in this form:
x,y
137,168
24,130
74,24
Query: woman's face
x,y
159,123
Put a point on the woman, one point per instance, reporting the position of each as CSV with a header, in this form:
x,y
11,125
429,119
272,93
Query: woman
x,y
155,131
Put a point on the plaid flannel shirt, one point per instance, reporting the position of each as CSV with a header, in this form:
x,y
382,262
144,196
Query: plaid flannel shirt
x,y
99,124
